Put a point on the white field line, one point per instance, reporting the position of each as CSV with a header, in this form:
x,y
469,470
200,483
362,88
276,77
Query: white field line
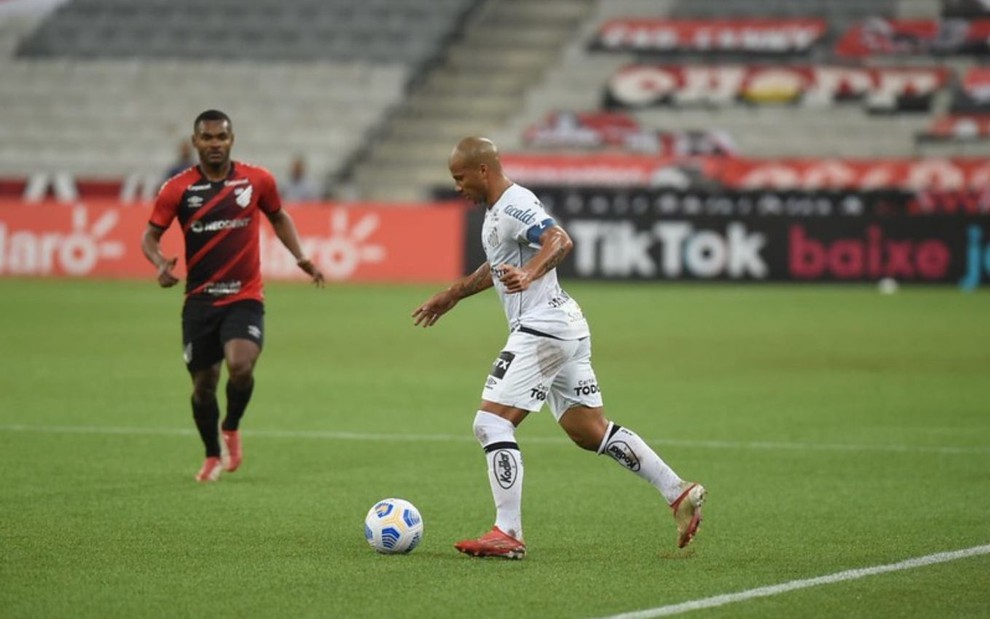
x,y
467,437
761,592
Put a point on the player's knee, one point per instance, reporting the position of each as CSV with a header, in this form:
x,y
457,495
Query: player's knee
x,y
204,389
489,428
240,371
585,438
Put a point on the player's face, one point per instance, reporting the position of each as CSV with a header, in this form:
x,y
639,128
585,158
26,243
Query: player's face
x,y
469,181
213,140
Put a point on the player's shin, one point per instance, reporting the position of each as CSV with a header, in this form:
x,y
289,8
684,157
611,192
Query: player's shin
x,y
238,397
207,417
505,470
628,449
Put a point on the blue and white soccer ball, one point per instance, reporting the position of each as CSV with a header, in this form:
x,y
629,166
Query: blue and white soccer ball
x,y
393,526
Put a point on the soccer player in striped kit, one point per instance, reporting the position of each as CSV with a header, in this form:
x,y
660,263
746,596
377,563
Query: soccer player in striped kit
x,y
219,204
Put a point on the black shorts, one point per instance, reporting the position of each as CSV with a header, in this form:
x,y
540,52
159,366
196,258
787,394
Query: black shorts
x,y
206,328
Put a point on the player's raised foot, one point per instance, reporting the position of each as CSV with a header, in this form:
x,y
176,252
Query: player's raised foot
x,y
210,471
232,441
687,512
495,543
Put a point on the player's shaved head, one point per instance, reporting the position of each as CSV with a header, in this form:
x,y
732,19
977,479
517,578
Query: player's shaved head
x,y
474,151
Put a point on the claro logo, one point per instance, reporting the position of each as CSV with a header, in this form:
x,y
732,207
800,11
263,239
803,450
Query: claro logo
x,y
77,252
339,254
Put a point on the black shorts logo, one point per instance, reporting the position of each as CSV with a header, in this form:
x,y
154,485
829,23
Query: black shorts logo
x,y
501,365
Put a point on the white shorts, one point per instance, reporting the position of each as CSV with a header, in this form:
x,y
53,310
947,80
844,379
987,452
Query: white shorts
x,y
532,370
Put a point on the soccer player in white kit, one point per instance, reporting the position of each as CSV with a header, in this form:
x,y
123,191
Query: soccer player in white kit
x,y
547,358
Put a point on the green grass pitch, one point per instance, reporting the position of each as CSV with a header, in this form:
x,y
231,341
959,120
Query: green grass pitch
x,y
835,428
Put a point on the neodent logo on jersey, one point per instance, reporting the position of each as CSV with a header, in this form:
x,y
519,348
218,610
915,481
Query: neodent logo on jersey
x,y
26,252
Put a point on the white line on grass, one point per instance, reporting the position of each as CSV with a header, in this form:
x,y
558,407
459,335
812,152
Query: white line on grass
x,y
468,437
742,596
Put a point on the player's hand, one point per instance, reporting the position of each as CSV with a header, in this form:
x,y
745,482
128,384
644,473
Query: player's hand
x,y
167,279
427,314
513,278
314,273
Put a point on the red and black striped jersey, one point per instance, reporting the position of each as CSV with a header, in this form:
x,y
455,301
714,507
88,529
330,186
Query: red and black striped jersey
x,y
221,226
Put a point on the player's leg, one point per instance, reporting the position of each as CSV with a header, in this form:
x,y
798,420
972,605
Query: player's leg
x,y
203,354
576,400
242,334
511,391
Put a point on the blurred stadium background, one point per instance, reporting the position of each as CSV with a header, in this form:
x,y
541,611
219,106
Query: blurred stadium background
x,y
787,139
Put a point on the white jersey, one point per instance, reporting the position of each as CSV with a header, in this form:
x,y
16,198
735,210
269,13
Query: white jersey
x,y
510,235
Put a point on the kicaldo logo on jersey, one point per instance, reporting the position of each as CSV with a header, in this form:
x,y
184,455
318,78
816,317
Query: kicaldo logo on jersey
x,y
58,240
671,249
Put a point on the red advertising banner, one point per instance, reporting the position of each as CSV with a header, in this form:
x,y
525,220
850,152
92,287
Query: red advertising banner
x,y
603,130
643,85
780,36
959,127
808,174
617,170
879,36
361,242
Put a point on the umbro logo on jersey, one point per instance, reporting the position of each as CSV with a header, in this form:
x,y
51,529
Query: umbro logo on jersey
x,y
194,202
240,181
243,196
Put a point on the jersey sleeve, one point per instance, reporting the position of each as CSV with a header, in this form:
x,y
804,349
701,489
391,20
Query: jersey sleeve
x,y
269,201
529,224
166,205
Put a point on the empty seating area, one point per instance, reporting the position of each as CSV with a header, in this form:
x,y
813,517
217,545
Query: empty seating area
x,y
405,32
116,118
843,129
107,88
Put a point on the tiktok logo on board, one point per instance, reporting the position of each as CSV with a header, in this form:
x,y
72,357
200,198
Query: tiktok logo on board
x,y
977,258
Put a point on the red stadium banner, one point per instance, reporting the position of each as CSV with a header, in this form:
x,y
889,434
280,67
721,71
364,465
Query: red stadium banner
x,y
959,127
361,242
973,93
764,36
807,174
608,170
643,85
602,130
879,36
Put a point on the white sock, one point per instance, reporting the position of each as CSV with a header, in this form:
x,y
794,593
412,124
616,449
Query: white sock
x,y
505,469
626,448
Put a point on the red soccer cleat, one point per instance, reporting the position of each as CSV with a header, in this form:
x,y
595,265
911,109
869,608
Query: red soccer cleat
x,y
210,471
232,441
495,543
687,512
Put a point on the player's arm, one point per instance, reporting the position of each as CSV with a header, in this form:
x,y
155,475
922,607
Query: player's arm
x,y
555,244
285,230
442,302
151,245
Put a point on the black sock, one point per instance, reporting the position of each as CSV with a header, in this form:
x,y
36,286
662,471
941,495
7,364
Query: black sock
x,y
207,416
237,401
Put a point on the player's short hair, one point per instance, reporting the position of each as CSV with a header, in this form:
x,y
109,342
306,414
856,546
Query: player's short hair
x,y
212,115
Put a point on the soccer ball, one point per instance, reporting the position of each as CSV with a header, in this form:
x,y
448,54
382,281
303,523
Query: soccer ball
x,y
393,526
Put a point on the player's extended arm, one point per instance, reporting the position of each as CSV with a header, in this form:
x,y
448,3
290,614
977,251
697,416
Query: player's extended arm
x,y
285,230
152,248
442,302
555,244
